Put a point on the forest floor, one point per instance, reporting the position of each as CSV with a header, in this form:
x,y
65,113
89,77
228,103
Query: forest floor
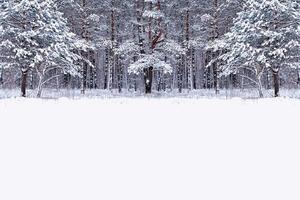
x,y
149,149
203,93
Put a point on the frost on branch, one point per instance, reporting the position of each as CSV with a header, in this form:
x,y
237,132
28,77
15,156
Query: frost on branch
x,y
172,47
153,14
147,61
128,48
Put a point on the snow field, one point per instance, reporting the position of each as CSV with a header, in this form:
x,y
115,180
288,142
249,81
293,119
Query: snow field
x,y
149,149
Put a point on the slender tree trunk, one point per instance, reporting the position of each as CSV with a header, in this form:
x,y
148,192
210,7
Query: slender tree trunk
x,y
31,78
40,88
276,83
269,80
84,35
298,76
57,84
215,36
84,78
24,82
216,78
112,57
260,88
1,75
188,57
207,71
40,84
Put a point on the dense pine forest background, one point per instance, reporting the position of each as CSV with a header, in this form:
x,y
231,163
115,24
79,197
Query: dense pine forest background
x,y
146,46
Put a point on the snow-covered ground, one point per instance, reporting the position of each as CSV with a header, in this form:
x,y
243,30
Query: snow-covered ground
x,y
203,93
149,149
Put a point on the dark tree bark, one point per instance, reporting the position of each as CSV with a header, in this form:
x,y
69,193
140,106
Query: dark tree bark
x,y
66,80
24,83
234,80
148,75
216,78
208,70
84,78
215,36
276,82
84,35
298,77
1,76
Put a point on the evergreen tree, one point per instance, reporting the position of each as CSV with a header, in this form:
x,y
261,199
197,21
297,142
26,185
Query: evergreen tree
x,y
152,50
265,36
35,36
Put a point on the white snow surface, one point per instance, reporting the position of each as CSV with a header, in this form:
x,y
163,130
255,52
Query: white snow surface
x,y
149,149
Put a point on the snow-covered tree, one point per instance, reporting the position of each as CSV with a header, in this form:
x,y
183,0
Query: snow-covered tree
x,y
152,51
86,19
265,36
211,22
145,45
35,36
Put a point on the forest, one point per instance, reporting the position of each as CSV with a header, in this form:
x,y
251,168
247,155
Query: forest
x,y
146,46
149,99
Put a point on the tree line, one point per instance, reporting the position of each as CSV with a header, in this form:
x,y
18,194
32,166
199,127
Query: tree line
x,y
149,45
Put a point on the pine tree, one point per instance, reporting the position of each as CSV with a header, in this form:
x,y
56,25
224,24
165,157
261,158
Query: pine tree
x,y
35,37
265,36
151,50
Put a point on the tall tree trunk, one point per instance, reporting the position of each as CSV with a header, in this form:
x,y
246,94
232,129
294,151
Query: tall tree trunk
x,y
189,57
31,80
84,78
85,36
1,75
298,76
216,77
67,78
216,54
234,81
40,88
148,76
24,82
208,71
260,87
259,74
269,80
276,82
